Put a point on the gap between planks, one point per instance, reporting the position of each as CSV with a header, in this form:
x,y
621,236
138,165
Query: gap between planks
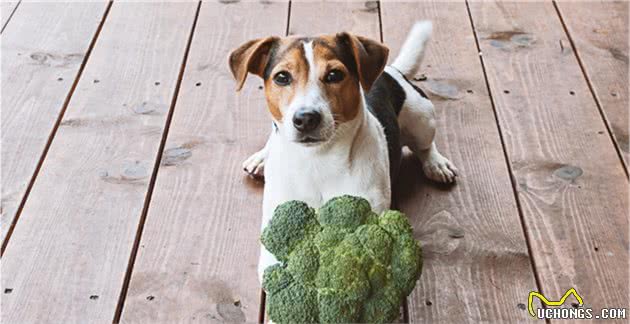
x,y
591,88
10,16
156,167
55,127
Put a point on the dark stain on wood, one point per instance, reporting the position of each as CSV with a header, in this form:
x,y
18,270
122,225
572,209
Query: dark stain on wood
x,y
56,60
73,122
129,173
231,313
511,39
568,172
456,232
150,108
442,89
505,36
175,156
622,137
618,54
371,6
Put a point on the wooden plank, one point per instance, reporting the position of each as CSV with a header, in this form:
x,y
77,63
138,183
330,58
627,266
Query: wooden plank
x,y
69,253
570,182
313,18
6,10
599,30
198,255
42,52
477,267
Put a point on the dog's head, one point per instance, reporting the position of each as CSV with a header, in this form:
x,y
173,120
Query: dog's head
x,y
312,85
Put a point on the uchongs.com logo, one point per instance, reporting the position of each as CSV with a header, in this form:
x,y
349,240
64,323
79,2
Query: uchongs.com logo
x,y
558,310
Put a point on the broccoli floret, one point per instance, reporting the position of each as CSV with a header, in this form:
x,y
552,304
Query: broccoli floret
x,y
344,211
340,264
292,222
288,301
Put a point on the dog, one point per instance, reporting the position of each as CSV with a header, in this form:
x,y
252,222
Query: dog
x,y
340,118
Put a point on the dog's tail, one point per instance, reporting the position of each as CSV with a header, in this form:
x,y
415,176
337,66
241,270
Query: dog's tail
x,y
412,51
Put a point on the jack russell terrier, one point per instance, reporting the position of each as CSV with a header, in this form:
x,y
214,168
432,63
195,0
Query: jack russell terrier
x,y
340,118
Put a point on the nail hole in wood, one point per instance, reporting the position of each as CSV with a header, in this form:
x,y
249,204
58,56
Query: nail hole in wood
x,y
506,91
8,290
157,83
59,79
198,84
596,249
94,297
469,91
428,303
97,81
150,298
614,94
572,93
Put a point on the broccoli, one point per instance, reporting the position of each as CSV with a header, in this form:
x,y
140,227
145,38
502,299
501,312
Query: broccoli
x,y
342,263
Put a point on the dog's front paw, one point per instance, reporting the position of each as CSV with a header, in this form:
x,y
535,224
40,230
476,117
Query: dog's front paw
x,y
255,164
440,169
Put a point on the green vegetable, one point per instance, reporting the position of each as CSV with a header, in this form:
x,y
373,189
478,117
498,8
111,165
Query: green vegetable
x,y
339,264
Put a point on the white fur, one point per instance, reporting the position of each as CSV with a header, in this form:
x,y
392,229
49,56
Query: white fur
x,y
412,51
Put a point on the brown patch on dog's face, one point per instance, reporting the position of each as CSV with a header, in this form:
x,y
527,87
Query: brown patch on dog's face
x,y
342,95
289,59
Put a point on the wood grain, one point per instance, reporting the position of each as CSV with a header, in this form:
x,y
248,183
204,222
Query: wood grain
x,y
199,250
477,267
42,51
311,18
69,253
599,30
570,182
6,10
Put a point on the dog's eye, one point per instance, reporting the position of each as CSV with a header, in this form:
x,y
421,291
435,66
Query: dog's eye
x,y
334,76
282,78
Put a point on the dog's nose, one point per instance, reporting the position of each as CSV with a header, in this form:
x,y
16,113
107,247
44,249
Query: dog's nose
x,y
306,120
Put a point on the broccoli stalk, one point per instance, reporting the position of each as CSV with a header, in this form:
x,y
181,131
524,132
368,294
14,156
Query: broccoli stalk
x,y
339,264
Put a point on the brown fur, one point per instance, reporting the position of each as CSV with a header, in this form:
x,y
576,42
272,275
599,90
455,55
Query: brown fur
x,y
289,58
344,96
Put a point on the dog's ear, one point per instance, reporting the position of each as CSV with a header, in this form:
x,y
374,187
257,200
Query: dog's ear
x,y
369,55
251,57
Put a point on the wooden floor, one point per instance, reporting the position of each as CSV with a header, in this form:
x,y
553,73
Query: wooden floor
x,y
123,198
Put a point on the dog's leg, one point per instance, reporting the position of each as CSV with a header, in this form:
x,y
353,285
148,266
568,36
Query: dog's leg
x,y
255,164
417,124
